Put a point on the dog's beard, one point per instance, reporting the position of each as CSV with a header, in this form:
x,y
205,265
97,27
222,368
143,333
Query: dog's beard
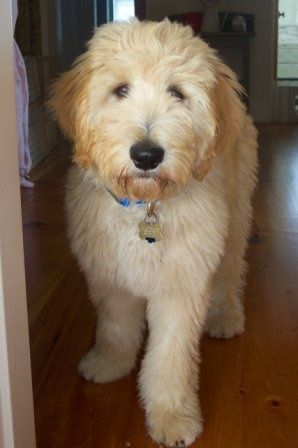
x,y
144,186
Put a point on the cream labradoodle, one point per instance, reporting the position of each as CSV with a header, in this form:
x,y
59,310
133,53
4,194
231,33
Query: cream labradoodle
x,y
159,207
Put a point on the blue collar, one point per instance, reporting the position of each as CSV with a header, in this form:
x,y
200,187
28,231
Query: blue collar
x,y
125,202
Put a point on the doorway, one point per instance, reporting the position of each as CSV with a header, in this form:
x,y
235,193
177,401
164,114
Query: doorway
x,y
72,413
287,54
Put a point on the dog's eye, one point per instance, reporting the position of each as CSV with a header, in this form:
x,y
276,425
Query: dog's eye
x,y
121,91
176,93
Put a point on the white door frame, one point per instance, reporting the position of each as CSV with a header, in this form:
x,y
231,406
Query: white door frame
x,y
16,400
283,93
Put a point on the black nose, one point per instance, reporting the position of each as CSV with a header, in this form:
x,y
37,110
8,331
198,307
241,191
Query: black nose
x,y
146,156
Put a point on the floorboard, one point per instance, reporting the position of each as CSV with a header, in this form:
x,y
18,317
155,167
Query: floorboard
x,y
248,385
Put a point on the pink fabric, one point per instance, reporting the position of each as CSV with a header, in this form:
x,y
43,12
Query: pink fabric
x,y
22,101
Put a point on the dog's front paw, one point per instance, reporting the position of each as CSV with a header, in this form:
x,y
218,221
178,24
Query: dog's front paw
x,y
174,429
225,323
99,367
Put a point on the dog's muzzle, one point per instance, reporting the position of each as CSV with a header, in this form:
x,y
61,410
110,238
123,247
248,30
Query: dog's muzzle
x,y
146,156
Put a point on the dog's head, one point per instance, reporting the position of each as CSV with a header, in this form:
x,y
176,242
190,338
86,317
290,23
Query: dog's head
x,y
148,106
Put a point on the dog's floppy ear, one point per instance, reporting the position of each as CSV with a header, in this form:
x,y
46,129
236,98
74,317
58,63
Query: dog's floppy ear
x,y
228,113
69,103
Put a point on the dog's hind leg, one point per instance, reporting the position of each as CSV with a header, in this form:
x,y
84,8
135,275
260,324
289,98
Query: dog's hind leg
x,y
225,317
120,324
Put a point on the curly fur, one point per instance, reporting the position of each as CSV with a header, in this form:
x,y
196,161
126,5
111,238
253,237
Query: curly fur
x,y
193,278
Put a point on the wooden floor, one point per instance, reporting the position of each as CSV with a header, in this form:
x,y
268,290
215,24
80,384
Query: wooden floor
x,y
248,385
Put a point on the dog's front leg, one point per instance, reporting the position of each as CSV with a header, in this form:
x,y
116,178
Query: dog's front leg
x,y
119,332
169,376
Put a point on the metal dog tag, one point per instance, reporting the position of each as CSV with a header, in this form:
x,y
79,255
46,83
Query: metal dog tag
x,y
150,230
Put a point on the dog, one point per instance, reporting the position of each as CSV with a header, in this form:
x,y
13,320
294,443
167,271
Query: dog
x,y
159,207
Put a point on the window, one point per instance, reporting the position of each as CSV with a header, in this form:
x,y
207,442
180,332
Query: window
x,y
287,55
123,9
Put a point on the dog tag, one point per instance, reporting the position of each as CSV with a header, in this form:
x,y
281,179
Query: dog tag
x,y
150,230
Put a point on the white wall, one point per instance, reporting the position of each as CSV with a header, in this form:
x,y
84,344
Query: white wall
x,y
261,55
16,403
